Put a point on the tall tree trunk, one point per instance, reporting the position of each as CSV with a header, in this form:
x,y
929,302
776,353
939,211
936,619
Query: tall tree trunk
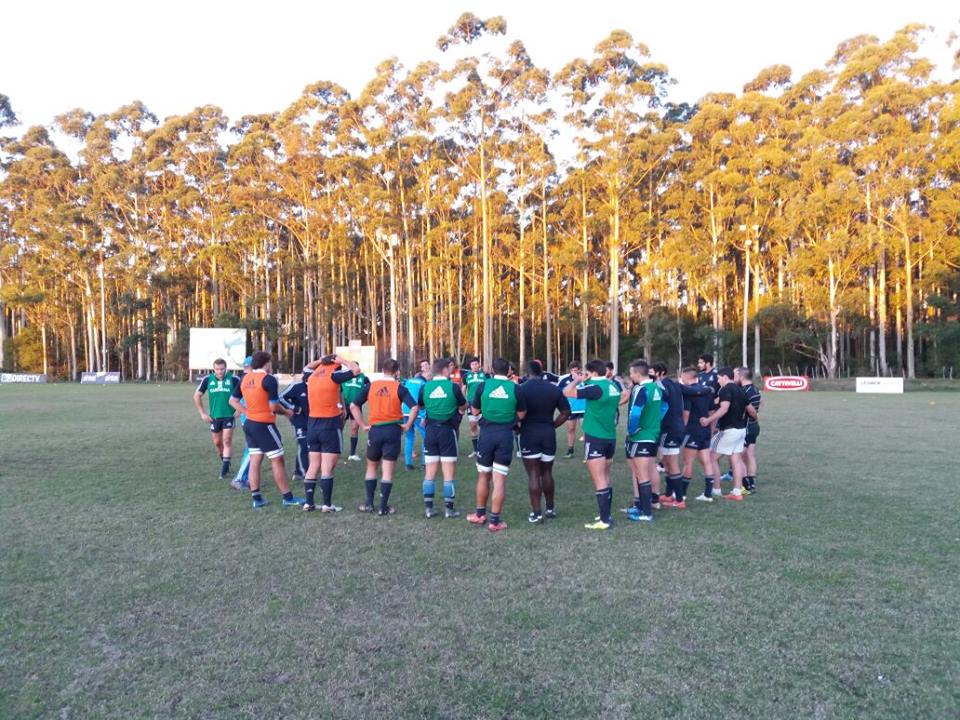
x,y
908,311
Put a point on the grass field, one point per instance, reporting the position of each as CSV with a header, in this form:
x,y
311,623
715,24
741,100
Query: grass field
x,y
133,584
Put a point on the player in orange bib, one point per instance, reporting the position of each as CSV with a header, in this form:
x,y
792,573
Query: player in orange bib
x,y
259,391
325,425
385,399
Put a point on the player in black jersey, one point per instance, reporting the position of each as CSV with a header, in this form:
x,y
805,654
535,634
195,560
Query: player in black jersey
x,y
538,437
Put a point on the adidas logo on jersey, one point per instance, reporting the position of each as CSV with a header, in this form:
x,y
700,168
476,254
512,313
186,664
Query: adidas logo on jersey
x,y
499,393
438,393
613,392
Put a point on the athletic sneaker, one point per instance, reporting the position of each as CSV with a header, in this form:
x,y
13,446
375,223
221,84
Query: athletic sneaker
x,y
745,491
449,513
389,511
298,477
473,454
308,508
535,517
330,508
353,458
655,506
568,454
476,519
598,525
221,477
703,498
667,500
497,527
731,496
365,508
637,516
726,477
237,485
682,505
260,503
430,513
294,502
550,514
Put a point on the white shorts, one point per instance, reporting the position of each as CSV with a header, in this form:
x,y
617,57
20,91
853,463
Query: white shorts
x,y
729,441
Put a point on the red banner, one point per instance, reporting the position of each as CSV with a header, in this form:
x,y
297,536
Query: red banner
x,y
786,383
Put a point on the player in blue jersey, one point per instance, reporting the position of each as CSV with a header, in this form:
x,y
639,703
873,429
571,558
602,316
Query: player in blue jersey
x,y
577,406
413,386
294,396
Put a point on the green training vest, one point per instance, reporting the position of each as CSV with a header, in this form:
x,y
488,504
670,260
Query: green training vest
x,y
439,400
600,417
498,403
218,392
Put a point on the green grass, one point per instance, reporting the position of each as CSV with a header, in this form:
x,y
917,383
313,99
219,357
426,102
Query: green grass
x,y
133,584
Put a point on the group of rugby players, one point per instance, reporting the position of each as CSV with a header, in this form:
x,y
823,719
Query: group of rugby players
x,y
703,415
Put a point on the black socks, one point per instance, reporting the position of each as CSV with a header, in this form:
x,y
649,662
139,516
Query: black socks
x,y
326,487
370,486
604,503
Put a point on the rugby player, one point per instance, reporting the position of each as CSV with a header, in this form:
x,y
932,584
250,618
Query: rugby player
x,y
538,437
261,401
471,380
753,429
500,403
413,386
443,402
386,397
696,442
294,396
577,406
600,432
325,425
731,419
221,418
646,410
672,433
350,389
240,480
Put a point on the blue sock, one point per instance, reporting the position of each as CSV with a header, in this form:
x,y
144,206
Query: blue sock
x,y
429,490
449,493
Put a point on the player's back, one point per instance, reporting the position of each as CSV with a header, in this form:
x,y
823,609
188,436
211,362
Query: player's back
x,y
543,398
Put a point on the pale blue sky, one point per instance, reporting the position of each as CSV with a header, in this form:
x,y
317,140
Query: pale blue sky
x,y
250,57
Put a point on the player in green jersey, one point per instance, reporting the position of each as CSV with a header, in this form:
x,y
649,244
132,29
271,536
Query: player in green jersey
x,y
600,432
219,386
349,392
646,411
471,381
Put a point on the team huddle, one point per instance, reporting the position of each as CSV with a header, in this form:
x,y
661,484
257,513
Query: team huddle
x,y
703,415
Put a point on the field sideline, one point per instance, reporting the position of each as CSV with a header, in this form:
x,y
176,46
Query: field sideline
x,y
134,584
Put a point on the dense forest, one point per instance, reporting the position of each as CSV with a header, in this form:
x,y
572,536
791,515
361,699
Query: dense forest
x,y
808,222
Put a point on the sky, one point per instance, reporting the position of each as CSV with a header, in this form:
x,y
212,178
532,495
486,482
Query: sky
x,y
253,57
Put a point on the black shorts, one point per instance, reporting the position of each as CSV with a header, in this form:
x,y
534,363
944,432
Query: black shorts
x,y
670,443
753,432
301,432
325,435
263,439
594,447
440,443
538,442
697,439
383,442
640,448
495,448
574,416
220,424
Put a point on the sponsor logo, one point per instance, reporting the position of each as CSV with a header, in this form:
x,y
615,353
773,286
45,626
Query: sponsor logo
x,y
613,392
500,393
438,393
786,383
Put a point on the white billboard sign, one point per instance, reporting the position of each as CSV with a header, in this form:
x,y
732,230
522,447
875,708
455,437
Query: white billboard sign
x,y
208,344
366,355
890,386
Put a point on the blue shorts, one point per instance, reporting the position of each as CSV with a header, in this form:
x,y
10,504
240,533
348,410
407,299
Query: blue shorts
x,y
495,448
594,448
670,443
263,439
640,449
218,425
325,435
538,442
697,438
441,443
753,432
383,442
